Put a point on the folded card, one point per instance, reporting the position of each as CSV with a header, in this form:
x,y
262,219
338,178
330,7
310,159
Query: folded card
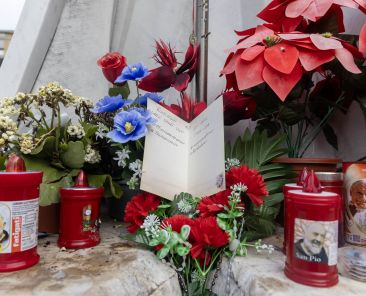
x,y
184,157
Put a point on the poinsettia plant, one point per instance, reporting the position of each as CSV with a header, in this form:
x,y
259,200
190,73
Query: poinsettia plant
x,y
193,234
123,122
297,69
33,126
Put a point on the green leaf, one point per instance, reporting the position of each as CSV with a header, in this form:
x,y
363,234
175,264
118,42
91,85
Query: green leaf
x,y
184,231
111,188
164,206
3,159
153,242
50,174
163,252
74,156
124,91
273,199
45,148
330,136
49,192
223,215
181,250
223,224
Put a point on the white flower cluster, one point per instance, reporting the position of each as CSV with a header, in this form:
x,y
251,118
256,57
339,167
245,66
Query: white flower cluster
x,y
184,206
53,92
81,101
122,156
133,183
102,131
151,225
8,129
231,162
7,107
136,167
263,247
91,155
76,131
26,143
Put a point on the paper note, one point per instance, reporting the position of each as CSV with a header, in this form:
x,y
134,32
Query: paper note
x,y
184,157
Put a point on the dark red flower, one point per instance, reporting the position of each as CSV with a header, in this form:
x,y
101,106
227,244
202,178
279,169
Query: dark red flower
x,y
169,75
189,109
289,14
214,204
139,208
281,59
250,178
237,107
112,65
176,222
206,234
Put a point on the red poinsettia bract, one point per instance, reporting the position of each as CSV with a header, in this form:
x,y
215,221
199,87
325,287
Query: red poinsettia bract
x,y
237,107
139,208
176,222
189,109
281,59
168,74
252,179
206,234
214,204
289,14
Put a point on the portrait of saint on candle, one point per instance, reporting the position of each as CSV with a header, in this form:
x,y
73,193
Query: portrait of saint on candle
x,y
357,203
312,240
4,226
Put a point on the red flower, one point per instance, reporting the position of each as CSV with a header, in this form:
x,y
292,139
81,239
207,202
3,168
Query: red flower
x,y
281,59
112,65
289,14
237,107
169,75
250,178
362,41
214,204
176,222
206,234
139,208
189,109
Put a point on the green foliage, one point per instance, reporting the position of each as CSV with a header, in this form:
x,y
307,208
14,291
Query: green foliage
x,y
124,91
74,155
111,188
257,150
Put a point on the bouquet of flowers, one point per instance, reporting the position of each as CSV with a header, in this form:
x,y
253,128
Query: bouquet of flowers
x,y
294,72
191,234
33,126
122,123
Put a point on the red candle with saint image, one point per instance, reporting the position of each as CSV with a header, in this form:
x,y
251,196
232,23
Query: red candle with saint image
x,y
19,205
80,215
312,234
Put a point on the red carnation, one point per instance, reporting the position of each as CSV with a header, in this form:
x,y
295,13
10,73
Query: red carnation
x,y
206,234
176,222
139,208
214,204
112,65
250,178
189,109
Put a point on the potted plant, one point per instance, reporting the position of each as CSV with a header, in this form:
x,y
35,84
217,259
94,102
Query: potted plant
x,y
295,72
33,126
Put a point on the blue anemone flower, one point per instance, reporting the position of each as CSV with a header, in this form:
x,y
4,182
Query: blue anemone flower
x,y
142,100
129,125
109,104
133,72
146,114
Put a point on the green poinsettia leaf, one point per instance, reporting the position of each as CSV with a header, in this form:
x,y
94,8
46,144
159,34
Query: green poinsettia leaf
x,y
74,156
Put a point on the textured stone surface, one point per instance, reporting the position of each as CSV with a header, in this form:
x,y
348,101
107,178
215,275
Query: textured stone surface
x,y
262,275
115,267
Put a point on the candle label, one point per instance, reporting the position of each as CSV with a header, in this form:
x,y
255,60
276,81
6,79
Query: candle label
x,y
355,202
316,241
87,223
18,225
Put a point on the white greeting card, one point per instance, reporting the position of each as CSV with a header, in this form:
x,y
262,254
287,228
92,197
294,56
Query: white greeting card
x,y
184,157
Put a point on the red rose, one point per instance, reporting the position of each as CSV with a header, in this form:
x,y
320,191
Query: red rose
x,y
112,65
250,178
139,208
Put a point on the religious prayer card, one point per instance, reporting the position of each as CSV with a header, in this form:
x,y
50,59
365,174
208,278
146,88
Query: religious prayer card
x,y
184,157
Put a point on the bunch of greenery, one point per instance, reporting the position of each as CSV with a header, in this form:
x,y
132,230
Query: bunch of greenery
x,y
34,127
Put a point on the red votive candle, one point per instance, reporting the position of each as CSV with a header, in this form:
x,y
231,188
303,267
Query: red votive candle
x,y
312,234
80,215
19,205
